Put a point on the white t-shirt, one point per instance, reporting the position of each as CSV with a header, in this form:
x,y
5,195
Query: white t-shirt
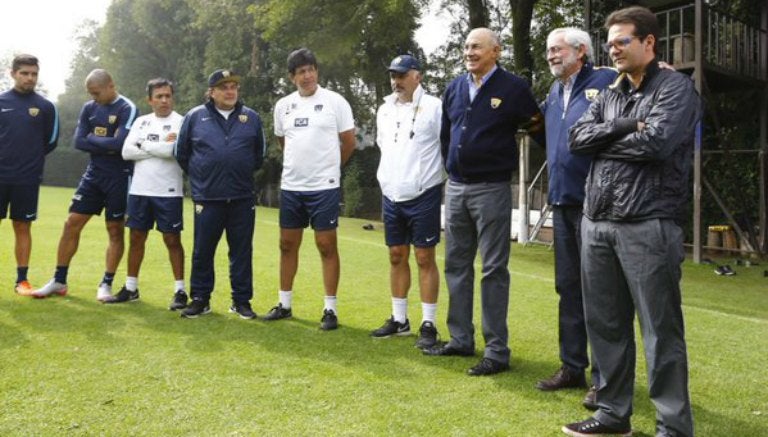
x,y
312,150
156,172
410,164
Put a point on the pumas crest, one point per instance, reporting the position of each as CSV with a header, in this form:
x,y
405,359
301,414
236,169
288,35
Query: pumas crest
x,y
495,102
591,93
112,119
34,111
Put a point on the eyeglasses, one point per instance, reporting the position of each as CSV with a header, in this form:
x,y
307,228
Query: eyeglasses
x,y
619,43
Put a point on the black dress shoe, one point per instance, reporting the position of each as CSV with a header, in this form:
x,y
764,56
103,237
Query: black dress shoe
x,y
445,349
563,378
487,366
590,399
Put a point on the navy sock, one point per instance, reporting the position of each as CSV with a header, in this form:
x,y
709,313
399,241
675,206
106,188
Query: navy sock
x,y
108,278
61,274
21,274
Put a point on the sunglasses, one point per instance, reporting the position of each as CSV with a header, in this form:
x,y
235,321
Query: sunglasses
x,y
619,43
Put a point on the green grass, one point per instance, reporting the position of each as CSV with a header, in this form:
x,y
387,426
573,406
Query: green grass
x,y
73,366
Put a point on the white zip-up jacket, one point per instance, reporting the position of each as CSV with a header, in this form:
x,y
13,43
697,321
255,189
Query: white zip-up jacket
x,y
408,135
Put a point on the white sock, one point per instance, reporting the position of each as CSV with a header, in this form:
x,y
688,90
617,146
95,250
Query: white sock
x,y
330,304
428,312
400,309
179,285
131,283
285,298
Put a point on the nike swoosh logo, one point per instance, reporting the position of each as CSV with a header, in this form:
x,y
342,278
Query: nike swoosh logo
x,y
332,221
205,118
91,117
119,214
30,215
430,239
176,225
7,109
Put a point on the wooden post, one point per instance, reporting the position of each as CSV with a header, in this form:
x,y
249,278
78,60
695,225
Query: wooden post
x,y
697,77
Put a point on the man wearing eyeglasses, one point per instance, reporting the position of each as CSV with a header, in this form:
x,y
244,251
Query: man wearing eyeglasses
x,y
411,177
640,132
220,145
577,84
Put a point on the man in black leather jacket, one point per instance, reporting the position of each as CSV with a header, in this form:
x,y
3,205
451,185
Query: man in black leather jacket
x,y
640,131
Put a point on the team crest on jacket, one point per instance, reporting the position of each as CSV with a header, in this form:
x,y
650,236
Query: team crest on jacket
x,y
243,118
198,208
34,111
591,93
112,119
100,131
495,102
318,108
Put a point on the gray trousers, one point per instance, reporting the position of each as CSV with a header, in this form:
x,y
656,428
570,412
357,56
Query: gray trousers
x,y
478,216
630,267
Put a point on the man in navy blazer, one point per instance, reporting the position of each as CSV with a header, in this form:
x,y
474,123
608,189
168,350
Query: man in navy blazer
x,y
482,111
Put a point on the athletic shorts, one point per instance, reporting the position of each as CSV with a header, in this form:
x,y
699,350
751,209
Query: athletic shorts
x,y
145,211
95,193
415,221
299,209
22,199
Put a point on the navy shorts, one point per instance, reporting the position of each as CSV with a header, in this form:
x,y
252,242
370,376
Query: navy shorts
x,y
145,211
299,209
415,221
23,201
95,193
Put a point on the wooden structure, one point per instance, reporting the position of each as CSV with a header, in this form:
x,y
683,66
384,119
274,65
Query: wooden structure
x,y
723,54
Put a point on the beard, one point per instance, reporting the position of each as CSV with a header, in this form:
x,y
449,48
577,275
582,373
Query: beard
x,y
566,64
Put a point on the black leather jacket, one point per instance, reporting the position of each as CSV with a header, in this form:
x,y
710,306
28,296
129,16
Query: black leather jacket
x,y
639,175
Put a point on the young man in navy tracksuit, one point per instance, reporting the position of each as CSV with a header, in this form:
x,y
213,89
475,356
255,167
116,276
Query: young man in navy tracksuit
x,y
29,130
101,130
220,145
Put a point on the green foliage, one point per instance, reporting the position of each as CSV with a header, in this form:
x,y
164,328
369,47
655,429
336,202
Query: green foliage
x,y
362,194
72,366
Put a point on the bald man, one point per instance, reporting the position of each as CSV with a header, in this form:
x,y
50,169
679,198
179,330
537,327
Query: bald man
x,y
482,111
101,131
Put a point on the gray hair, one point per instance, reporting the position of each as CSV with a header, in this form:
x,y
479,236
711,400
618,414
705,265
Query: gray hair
x,y
575,37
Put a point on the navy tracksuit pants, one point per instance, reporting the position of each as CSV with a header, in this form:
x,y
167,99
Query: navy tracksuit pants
x,y
212,218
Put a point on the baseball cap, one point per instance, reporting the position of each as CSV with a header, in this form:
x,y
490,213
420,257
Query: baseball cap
x,y
220,76
403,64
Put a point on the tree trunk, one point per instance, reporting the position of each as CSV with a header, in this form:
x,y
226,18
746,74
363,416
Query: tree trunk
x,y
478,13
522,14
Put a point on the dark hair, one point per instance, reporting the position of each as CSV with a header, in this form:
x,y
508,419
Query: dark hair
x,y
643,18
299,58
20,60
158,82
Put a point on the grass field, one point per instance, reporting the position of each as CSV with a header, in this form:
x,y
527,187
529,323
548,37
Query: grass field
x,y
72,366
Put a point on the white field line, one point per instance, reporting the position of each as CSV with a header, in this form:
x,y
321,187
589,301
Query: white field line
x,y
550,280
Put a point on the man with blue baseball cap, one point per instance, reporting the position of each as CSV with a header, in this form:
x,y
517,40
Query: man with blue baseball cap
x,y
411,179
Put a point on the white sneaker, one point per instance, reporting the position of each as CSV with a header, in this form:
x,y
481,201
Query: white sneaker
x,y
51,288
104,293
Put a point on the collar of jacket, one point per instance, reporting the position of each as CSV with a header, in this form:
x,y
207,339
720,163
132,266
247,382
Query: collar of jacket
x,y
622,84
212,107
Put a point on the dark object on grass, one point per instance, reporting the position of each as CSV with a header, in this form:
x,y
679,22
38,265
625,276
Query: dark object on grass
x,y
707,261
725,270
368,227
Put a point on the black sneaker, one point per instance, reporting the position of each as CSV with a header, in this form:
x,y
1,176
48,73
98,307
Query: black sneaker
x,y
486,367
243,309
179,301
124,295
591,427
278,312
427,335
329,321
196,308
392,327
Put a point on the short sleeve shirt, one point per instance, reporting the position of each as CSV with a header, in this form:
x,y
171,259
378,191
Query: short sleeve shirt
x,y
312,151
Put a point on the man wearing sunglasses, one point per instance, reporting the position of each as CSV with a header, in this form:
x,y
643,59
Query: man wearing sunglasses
x,y
640,132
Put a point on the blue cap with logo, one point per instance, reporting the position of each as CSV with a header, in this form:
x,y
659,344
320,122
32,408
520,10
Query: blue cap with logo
x,y
220,76
403,64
